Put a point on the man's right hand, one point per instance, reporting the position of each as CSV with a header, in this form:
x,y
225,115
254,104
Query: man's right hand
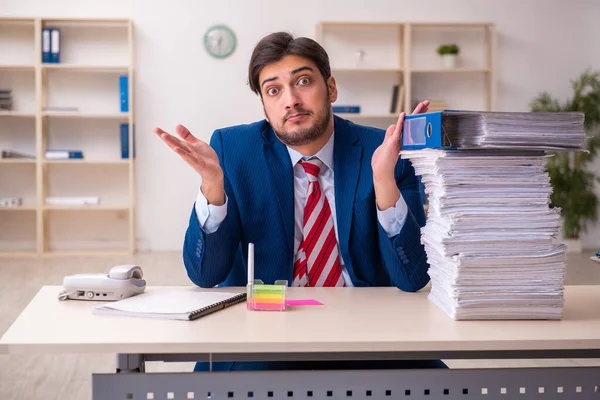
x,y
200,156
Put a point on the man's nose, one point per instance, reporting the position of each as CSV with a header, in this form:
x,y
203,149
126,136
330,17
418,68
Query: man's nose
x,y
292,100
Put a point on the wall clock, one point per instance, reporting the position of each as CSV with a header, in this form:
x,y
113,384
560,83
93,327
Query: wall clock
x,y
219,41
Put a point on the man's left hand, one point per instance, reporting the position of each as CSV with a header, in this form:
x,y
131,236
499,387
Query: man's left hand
x,y
385,159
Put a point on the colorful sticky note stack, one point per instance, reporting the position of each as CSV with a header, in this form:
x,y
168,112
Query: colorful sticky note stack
x,y
268,297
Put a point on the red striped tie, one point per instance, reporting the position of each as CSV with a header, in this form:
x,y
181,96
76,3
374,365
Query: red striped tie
x,y
317,261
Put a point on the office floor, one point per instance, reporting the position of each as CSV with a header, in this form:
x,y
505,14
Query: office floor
x,y
68,376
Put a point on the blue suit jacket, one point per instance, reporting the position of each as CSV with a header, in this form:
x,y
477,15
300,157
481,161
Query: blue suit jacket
x,y
259,183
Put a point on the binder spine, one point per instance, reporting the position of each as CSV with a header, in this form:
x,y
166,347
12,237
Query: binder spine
x,y
346,109
45,45
124,93
124,141
55,45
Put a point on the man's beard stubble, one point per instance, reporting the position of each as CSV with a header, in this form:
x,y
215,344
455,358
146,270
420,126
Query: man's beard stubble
x,y
307,135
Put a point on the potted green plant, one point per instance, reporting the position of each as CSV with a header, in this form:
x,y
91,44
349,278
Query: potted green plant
x,y
571,177
449,53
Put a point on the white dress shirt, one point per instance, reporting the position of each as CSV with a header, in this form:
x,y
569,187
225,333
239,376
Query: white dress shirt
x,y
391,219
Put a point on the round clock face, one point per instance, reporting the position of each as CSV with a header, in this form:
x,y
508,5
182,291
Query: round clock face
x,y
219,41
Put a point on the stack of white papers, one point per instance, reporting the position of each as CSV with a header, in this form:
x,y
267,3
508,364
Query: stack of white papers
x,y
490,235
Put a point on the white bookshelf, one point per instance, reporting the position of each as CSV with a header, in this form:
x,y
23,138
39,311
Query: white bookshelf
x,y
94,53
368,59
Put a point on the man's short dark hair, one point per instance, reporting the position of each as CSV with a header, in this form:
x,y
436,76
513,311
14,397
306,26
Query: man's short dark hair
x,y
275,46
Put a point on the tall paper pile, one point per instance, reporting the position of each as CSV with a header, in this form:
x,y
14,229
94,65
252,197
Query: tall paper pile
x,y
491,236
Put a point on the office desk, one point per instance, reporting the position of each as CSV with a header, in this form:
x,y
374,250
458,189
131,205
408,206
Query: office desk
x,y
353,323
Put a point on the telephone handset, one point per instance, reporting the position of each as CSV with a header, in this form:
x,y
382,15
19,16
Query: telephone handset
x,y
121,282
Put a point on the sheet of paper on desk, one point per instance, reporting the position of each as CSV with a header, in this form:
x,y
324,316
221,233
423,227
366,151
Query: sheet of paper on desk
x,y
168,304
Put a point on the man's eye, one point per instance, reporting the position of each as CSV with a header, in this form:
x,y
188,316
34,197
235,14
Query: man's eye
x,y
304,81
272,91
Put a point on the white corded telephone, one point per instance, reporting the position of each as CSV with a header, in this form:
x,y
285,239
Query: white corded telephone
x,y
121,282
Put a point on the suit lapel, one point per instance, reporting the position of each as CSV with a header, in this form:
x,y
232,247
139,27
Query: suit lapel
x,y
282,175
346,163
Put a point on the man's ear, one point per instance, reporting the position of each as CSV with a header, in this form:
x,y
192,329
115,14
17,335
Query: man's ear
x,y
333,93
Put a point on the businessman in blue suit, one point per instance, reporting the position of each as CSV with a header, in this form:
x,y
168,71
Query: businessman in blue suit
x,y
325,201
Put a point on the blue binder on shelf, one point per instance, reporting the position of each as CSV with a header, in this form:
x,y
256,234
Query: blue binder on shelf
x,y
124,133
124,93
54,45
63,154
424,131
351,109
46,45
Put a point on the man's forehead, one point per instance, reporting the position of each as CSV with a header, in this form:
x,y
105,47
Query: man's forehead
x,y
285,67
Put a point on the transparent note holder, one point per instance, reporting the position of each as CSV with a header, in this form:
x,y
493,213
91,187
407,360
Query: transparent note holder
x,y
264,297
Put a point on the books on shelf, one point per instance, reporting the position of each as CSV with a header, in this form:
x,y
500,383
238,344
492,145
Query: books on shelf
x,y
437,105
73,201
56,154
397,103
10,202
6,99
16,154
491,238
60,108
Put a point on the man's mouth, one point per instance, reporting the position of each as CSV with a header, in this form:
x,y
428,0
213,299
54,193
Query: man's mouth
x,y
296,117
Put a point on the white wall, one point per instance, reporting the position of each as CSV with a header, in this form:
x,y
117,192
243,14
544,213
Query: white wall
x,y
542,45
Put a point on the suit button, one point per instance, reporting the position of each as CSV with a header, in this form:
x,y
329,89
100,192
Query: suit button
x,y
405,261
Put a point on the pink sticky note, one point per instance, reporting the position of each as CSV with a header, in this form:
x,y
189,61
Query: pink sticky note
x,y
305,302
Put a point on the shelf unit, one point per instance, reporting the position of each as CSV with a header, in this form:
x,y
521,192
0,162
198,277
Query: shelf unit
x,y
368,59
94,53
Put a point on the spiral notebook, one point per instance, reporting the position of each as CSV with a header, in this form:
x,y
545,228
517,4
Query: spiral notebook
x,y
172,304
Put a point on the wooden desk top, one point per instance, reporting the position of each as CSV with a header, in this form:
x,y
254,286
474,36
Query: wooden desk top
x,y
351,320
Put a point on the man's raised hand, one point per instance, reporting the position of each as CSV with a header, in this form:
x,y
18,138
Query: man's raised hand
x,y
201,157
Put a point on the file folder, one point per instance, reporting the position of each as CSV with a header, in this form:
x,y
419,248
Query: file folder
x,y
125,145
55,45
46,45
454,129
124,140
124,93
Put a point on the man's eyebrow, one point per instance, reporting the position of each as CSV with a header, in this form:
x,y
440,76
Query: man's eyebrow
x,y
268,80
304,68
299,69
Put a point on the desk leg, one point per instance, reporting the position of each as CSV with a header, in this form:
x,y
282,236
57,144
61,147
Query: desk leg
x,y
127,363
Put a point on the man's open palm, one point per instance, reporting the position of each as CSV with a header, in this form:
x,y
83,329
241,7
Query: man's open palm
x,y
200,156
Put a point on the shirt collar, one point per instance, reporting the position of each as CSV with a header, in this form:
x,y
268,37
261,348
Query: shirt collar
x,y
325,154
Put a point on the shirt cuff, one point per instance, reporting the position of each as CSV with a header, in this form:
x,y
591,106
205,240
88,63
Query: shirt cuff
x,y
209,216
392,219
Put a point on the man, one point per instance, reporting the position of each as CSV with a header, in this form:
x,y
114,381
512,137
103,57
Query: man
x,y
326,202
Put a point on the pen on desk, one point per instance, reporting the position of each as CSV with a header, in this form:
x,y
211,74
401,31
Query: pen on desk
x,y
250,283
